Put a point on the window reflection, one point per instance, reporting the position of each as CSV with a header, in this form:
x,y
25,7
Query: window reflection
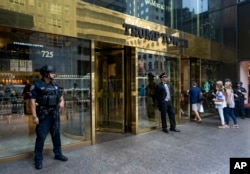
x,y
211,71
198,17
23,53
150,66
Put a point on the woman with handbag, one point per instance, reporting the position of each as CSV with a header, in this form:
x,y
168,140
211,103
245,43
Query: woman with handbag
x,y
220,103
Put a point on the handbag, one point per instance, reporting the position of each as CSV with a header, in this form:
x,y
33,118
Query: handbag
x,y
201,108
218,102
201,97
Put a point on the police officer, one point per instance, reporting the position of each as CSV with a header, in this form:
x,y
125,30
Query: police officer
x,y
46,102
240,95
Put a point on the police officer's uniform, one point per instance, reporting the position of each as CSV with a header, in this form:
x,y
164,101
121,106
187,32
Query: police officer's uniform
x,y
239,101
47,97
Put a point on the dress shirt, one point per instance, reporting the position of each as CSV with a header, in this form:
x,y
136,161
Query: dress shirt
x,y
168,92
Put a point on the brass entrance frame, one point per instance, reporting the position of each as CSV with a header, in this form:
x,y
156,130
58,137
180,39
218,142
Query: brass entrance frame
x,y
109,86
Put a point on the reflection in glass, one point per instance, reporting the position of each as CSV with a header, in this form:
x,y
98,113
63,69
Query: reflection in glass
x,y
198,17
110,94
23,53
211,72
153,65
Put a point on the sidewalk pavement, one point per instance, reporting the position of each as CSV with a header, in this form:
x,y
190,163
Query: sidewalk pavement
x,y
197,149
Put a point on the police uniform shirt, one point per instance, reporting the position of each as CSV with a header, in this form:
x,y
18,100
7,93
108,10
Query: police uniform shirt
x,y
39,86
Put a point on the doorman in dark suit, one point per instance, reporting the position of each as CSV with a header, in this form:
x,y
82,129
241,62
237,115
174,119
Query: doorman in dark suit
x,y
163,97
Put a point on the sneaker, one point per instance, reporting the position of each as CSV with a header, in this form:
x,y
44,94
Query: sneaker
x,y
227,126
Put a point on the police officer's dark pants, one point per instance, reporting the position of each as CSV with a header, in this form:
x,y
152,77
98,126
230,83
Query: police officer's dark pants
x,y
42,129
240,108
167,108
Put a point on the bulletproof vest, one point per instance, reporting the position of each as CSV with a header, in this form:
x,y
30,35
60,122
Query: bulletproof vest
x,y
49,95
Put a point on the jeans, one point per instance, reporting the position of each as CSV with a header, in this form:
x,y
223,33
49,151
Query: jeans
x,y
229,112
221,114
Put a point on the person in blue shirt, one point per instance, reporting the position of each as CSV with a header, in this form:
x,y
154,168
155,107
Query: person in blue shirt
x,y
142,93
194,94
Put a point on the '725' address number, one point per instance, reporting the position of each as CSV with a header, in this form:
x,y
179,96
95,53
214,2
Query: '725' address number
x,y
47,54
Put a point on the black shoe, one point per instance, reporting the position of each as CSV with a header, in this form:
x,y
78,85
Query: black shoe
x,y
61,158
38,165
165,130
174,130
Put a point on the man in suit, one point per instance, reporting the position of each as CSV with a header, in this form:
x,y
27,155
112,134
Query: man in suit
x,y
163,96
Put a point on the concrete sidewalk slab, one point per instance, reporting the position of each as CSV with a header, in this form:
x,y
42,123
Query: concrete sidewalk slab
x,y
197,149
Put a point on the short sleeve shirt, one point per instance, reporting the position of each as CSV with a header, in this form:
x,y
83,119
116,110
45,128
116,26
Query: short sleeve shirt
x,y
39,85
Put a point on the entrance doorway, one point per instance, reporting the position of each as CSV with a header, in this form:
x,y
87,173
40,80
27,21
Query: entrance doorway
x,y
110,95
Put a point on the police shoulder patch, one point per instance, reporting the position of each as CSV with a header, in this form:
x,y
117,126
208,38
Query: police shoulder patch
x,y
32,87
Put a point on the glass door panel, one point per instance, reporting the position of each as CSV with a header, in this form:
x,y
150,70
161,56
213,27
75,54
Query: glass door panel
x,y
110,90
150,65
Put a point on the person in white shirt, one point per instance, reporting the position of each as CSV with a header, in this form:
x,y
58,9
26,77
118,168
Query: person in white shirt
x,y
220,103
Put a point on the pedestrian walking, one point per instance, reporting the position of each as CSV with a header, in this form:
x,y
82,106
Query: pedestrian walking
x,y
220,103
229,109
194,94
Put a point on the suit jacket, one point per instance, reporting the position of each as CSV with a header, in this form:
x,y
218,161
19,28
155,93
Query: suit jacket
x,y
161,94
